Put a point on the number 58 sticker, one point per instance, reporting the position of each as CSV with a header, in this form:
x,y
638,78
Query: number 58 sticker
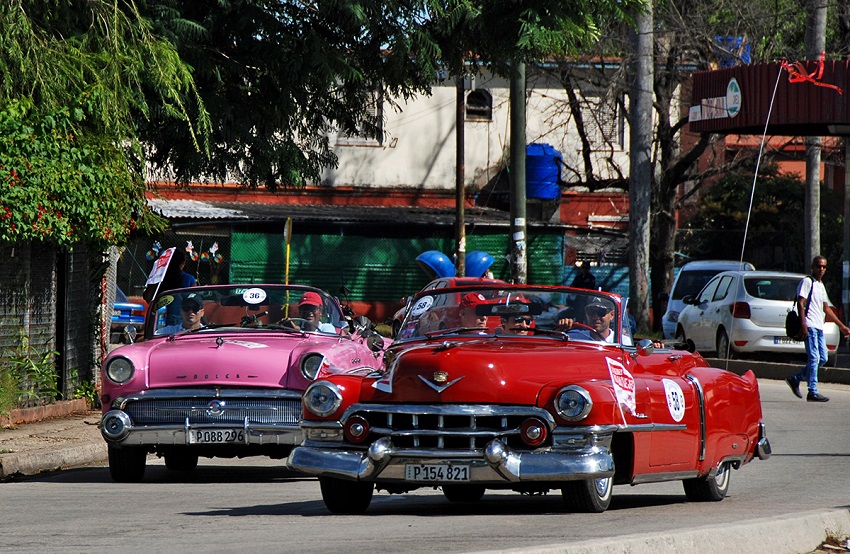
x,y
675,399
421,306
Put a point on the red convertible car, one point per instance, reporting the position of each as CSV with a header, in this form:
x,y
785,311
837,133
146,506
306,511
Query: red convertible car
x,y
226,378
537,388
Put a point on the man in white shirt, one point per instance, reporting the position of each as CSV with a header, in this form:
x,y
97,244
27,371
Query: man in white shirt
x,y
311,310
819,312
599,314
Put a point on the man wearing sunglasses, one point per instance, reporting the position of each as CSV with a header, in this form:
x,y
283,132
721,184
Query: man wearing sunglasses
x,y
598,314
191,312
518,325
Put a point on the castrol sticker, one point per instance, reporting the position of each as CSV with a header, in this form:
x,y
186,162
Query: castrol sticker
x,y
624,385
254,295
675,399
422,305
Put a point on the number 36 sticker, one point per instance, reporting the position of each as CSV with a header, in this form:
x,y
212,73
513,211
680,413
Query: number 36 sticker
x,y
254,295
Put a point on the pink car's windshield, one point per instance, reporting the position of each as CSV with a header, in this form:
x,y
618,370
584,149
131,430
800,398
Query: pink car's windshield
x,y
248,307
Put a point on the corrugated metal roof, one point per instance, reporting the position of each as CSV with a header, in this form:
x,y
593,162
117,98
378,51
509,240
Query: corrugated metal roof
x,y
194,211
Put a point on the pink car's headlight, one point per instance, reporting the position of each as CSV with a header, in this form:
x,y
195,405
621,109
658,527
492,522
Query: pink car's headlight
x,y
119,370
310,365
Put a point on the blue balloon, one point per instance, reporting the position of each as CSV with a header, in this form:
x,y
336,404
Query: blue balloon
x,y
477,263
436,264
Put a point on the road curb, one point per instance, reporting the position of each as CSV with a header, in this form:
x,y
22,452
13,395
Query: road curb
x,y
779,371
30,463
791,534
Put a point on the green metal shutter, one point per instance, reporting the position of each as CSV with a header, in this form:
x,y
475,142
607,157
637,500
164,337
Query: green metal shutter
x,y
374,269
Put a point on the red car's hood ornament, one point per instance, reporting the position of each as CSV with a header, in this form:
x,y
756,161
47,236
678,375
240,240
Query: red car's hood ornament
x,y
439,378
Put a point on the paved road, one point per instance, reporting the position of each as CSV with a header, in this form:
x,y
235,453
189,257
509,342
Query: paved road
x,y
256,506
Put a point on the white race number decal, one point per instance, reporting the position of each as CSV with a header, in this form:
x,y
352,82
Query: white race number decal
x,y
422,305
675,399
254,295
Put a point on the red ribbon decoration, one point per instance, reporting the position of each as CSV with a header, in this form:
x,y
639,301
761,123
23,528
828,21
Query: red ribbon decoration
x,y
797,73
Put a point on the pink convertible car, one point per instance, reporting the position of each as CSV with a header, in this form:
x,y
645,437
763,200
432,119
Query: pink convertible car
x,y
221,371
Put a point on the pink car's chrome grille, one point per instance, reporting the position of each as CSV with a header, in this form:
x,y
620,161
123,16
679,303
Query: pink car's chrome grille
x,y
449,427
163,411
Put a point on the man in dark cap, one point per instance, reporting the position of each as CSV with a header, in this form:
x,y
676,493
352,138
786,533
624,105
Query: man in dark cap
x,y
191,312
599,313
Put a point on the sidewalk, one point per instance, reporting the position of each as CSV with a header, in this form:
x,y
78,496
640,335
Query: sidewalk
x,y
70,440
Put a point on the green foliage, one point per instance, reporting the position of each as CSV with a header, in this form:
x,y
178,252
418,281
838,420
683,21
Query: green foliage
x,y
101,53
28,375
64,185
85,388
87,391
777,203
9,391
501,32
279,78
78,75
776,224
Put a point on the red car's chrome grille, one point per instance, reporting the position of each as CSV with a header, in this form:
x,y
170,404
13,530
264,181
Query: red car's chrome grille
x,y
449,427
263,411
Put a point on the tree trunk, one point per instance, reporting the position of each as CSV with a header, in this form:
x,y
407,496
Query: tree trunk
x,y
815,43
640,173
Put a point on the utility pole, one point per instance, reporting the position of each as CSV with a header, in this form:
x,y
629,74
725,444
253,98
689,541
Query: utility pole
x,y
815,39
640,166
460,196
845,265
519,264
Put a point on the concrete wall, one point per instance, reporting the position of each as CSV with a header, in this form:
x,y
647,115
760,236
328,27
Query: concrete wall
x,y
419,146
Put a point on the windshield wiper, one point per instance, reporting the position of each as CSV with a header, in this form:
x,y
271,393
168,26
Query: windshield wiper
x,y
451,330
560,334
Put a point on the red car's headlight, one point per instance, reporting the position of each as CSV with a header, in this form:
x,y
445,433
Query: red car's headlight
x,y
573,403
322,398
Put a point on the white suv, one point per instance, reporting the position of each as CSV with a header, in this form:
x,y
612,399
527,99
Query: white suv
x,y
690,280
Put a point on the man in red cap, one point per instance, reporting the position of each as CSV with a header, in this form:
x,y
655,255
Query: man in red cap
x,y
311,310
466,310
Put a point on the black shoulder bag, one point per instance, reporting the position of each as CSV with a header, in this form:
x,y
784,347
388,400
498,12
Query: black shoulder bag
x,y
793,322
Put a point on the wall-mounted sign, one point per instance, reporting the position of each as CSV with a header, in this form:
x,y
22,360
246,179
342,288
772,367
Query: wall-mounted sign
x,y
718,107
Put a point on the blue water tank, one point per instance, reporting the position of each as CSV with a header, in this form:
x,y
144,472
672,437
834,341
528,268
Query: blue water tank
x,y
542,171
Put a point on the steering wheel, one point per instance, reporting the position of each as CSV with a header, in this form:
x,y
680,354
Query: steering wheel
x,y
298,323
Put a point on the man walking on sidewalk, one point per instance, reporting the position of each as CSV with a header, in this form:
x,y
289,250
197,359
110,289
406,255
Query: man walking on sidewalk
x,y
813,301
